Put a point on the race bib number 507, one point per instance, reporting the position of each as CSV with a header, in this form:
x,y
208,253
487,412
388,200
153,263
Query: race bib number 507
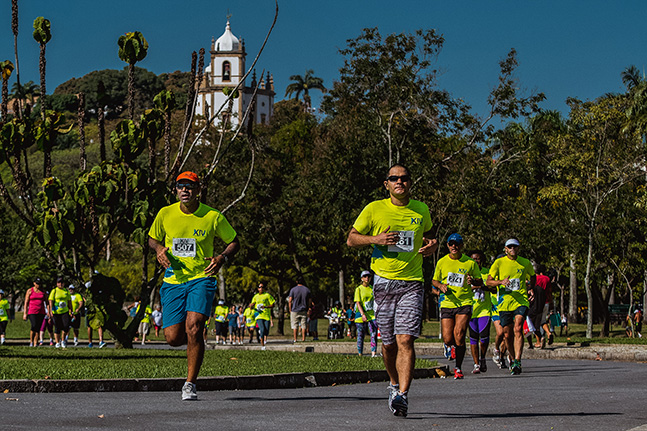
x,y
184,247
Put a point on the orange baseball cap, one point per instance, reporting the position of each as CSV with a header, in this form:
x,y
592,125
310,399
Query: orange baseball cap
x,y
188,175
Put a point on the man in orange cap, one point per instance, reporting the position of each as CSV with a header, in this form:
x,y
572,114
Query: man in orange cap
x,y
183,237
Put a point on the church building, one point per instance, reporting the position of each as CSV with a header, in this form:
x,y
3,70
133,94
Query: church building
x,y
225,70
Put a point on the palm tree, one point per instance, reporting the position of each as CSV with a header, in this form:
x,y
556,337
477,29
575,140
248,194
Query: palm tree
x,y
14,29
132,48
42,35
631,77
303,84
26,91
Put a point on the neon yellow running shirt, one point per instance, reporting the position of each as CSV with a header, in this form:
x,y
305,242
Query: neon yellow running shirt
x,y
190,239
261,301
4,310
519,271
454,273
60,297
401,261
364,295
482,299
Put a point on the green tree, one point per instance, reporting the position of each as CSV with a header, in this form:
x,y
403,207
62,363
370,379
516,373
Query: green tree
x,y
592,161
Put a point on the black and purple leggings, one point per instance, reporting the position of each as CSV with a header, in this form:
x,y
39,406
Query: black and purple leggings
x,y
480,329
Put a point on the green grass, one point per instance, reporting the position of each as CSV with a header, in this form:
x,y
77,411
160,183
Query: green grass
x,y
19,329
47,363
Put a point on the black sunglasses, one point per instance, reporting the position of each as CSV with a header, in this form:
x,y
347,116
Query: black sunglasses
x,y
188,186
453,243
395,178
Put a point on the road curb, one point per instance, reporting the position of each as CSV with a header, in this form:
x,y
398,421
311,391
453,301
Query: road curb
x,y
266,381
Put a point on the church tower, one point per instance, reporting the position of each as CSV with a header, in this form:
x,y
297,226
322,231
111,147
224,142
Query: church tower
x,y
226,70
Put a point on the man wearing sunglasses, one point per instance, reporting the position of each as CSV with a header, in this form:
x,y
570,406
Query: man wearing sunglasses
x,y
183,237
513,275
395,227
454,278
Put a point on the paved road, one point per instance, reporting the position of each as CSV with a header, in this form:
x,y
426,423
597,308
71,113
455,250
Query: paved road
x,y
549,395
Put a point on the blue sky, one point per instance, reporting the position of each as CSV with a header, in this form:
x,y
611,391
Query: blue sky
x,y
566,48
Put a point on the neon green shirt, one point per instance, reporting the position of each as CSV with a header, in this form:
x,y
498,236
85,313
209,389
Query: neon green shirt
x,y
147,314
250,319
453,273
76,299
364,295
221,313
61,297
482,299
516,294
261,301
189,238
4,310
401,261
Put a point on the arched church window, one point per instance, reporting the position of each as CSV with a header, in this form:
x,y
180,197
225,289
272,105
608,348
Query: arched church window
x,y
226,71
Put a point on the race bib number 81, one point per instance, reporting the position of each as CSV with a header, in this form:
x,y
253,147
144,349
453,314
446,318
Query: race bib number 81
x,y
184,247
405,243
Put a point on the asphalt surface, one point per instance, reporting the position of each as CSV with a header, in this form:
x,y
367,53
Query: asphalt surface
x,y
549,395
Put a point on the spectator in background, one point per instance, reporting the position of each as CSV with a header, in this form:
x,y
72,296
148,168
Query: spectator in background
x,y
157,319
144,324
241,323
4,316
350,318
365,316
250,321
220,316
315,312
34,310
298,301
263,302
544,282
78,305
535,315
95,317
232,317
60,310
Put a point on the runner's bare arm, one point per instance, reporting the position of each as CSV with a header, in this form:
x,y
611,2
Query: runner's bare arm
x,y
218,261
440,286
356,239
429,246
160,251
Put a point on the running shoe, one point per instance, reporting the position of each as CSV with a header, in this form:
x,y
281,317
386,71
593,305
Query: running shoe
x,y
496,357
400,405
31,344
90,345
477,369
458,374
58,345
550,339
51,343
393,391
40,343
515,368
189,392
63,344
76,342
102,344
447,351
483,365
453,353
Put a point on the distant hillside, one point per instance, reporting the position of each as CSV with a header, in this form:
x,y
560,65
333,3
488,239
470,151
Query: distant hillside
x,y
147,85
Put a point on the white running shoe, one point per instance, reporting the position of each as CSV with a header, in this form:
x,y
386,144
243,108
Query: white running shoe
x,y
58,345
76,341
477,369
63,344
189,392
102,344
496,357
393,391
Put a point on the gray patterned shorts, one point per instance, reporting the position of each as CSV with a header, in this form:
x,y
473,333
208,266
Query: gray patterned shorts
x,y
398,307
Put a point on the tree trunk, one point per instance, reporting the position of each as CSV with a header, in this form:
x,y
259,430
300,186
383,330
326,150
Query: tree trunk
x,y
572,292
341,287
611,284
587,287
131,91
280,310
221,285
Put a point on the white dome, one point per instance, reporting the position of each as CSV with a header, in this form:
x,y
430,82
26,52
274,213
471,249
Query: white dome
x,y
207,69
227,42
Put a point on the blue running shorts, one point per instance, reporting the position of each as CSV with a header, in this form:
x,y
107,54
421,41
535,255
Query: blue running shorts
x,y
195,295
